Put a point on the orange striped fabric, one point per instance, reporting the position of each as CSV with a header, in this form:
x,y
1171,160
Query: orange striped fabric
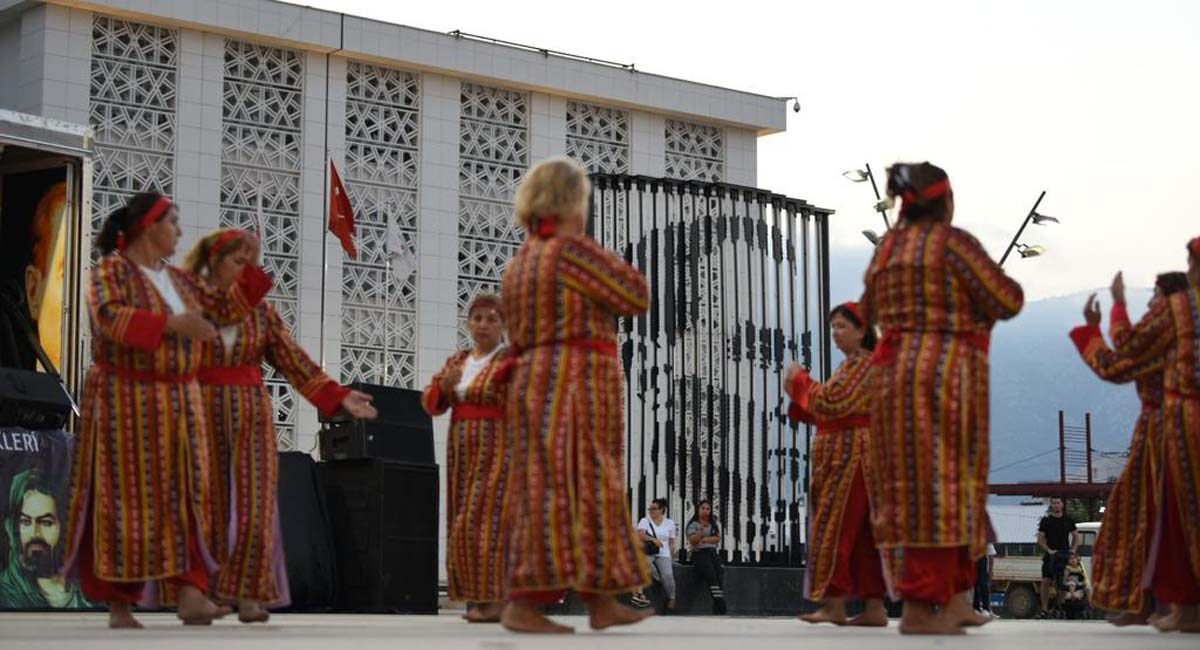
x,y
837,456
573,527
1123,545
936,294
141,461
1170,330
478,458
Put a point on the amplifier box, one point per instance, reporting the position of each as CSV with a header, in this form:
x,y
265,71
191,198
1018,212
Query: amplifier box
x,y
402,432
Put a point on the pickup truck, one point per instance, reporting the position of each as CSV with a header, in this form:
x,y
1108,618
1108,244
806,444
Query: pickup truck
x,y
1017,571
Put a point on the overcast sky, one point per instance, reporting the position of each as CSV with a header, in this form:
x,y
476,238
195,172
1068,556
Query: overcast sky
x,y
1097,102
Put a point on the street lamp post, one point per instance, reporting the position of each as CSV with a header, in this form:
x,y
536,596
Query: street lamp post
x,y
1038,219
859,176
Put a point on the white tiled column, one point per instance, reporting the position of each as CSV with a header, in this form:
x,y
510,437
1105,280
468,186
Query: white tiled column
x,y
315,306
437,250
198,134
54,66
647,144
547,127
741,157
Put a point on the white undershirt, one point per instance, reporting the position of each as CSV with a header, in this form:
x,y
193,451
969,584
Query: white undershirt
x,y
471,369
161,279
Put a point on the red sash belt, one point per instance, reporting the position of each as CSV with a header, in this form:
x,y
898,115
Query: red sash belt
x,y
1178,395
231,376
885,350
607,348
844,424
476,412
144,375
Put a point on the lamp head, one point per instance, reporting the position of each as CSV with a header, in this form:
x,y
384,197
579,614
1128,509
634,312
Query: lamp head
x,y
1041,219
855,175
872,237
1030,251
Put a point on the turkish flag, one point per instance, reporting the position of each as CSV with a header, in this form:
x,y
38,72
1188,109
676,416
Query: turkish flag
x,y
341,215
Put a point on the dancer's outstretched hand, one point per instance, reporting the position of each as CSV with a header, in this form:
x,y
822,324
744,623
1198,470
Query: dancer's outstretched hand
x,y
1118,288
358,404
1091,310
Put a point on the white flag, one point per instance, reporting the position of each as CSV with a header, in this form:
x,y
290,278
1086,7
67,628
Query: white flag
x,y
400,256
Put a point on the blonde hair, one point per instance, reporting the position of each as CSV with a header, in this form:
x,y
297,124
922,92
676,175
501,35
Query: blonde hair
x,y
556,187
202,258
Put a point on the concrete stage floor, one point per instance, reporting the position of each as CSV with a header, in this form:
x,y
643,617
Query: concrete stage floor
x,y
447,632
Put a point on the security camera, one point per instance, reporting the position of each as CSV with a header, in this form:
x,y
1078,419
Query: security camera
x,y
796,106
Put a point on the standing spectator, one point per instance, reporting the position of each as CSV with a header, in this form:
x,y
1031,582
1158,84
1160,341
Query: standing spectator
x,y
704,535
983,582
658,529
1058,539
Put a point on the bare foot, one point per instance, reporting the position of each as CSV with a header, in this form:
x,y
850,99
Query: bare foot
x,y
918,618
1170,622
1129,618
522,616
196,609
251,612
484,613
605,612
120,617
959,612
833,610
873,615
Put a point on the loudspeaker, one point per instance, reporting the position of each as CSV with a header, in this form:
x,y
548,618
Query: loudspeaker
x,y
402,432
32,400
385,530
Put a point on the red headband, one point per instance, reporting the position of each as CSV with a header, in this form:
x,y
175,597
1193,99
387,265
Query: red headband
x,y
853,308
1194,247
152,215
936,190
226,237
546,226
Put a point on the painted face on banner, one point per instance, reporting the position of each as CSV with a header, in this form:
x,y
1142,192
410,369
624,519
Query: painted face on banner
x,y
39,531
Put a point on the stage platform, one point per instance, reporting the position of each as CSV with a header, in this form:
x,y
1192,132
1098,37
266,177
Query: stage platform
x,y
447,632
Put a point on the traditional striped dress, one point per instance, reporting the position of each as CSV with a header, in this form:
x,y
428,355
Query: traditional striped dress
x,y
141,473
573,528
1123,545
841,409
477,473
1170,330
936,294
244,449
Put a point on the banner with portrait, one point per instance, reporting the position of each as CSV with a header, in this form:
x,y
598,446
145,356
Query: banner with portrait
x,y
35,468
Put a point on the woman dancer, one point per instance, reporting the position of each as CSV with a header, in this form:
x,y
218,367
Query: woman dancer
x,y
936,294
1171,331
843,561
140,486
241,418
562,293
1123,546
477,462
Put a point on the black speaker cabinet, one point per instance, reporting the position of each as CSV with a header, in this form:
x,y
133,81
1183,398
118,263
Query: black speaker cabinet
x,y
32,400
402,432
385,531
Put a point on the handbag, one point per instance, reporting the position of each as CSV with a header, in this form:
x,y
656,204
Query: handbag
x,y
650,548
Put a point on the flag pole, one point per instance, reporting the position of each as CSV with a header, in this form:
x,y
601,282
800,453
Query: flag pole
x,y
325,218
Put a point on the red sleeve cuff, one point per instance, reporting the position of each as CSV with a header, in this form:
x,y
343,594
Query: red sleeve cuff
x,y
145,330
1083,335
254,284
800,415
328,399
1119,314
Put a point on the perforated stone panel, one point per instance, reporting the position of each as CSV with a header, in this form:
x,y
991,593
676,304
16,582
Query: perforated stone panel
x,y
379,295
262,116
694,151
598,137
493,155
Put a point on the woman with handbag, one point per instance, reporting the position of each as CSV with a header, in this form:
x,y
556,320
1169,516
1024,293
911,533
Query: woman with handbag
x,y
658,533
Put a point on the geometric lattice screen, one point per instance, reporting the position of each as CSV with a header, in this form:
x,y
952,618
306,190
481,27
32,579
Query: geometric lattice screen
x,y
132,102
134,86
598,137
261,158
493,156
379,295
694,152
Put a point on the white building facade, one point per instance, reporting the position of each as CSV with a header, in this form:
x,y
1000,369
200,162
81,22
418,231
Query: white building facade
x,y
235,107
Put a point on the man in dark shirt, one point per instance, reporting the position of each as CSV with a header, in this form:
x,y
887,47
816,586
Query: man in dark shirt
x,y
1058,540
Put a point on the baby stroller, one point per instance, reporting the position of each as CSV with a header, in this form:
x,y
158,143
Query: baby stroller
x,y
1074,589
